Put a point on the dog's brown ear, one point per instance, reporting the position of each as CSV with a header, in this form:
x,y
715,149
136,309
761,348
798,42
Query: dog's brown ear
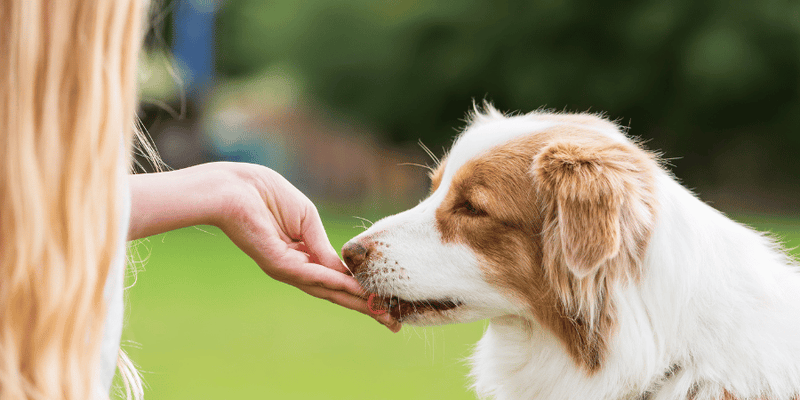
x,y
584,186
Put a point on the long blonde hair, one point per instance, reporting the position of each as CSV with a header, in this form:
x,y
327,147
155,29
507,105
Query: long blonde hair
x,y
67,110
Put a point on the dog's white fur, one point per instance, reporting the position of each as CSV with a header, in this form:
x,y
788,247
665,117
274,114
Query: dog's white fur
x,y
714,315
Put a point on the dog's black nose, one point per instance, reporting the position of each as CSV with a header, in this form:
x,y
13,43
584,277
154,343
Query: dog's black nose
x,y
354,255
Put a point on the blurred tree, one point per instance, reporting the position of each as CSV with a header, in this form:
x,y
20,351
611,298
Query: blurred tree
x,y
695,77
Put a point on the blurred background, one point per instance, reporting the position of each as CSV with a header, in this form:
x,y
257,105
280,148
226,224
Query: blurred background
x,y
337,95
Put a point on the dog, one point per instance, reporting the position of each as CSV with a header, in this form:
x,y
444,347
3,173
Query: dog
x,y
602,276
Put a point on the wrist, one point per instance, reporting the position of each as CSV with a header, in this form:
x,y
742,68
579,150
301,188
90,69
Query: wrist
x,y
199,195
232,189
217,189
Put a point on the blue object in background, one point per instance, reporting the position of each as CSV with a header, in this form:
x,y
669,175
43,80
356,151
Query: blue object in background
x,y
193,44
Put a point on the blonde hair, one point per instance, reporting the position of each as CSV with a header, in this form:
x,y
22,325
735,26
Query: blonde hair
x,y
67,111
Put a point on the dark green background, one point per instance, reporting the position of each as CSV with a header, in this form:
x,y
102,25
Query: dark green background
x,y
712,83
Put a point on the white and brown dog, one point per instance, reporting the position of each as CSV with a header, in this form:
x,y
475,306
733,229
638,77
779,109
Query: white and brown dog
x,y
603,277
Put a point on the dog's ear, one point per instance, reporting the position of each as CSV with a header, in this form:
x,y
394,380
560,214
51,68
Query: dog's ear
x,y
584,186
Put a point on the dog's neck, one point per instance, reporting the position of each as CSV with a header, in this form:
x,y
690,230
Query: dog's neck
x,y
715,316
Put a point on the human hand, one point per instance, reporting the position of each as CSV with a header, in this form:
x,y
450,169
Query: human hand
x,y
266,217
279,228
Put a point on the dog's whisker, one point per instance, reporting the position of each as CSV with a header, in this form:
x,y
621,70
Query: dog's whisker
x,y
363,221
429,168
429,152
433,347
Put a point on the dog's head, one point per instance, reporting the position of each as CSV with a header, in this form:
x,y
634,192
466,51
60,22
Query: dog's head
x,y
540,216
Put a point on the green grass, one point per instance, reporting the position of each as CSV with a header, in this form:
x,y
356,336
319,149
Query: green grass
x,y
205,323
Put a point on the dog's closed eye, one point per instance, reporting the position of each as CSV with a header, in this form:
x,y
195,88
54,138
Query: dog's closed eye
x,y
471,209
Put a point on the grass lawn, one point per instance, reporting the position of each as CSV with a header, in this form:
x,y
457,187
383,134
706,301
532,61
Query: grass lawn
x,y
205,323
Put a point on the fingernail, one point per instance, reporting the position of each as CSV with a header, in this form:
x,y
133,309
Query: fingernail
x,y
394,326
347,269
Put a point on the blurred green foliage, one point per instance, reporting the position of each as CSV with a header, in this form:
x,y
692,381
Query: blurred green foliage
x,y
696,77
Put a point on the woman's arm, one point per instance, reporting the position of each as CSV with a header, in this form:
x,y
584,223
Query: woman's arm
x,y
161,202
262,213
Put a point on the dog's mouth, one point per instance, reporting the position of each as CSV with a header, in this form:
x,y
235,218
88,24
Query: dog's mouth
x,y
401,309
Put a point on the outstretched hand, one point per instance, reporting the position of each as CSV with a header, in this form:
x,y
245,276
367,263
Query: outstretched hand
x,y
273,223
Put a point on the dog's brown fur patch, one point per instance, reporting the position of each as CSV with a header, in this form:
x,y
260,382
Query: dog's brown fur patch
x,y
562,218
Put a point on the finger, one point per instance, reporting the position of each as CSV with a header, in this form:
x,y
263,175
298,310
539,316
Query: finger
x,y
302,247
318,275
352,302
317,242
